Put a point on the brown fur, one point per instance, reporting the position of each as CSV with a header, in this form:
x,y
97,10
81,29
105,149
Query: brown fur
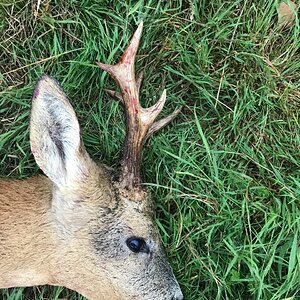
x,y
39,248
71,228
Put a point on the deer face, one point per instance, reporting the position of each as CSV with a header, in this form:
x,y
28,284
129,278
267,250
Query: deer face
x,y
107,244
130,248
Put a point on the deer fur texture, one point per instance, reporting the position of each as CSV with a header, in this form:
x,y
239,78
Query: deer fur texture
x,y
71,227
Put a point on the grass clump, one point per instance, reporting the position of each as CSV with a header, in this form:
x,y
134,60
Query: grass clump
x,y
226,173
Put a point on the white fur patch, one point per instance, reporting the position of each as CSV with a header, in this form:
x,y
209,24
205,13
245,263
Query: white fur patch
x,y
54,133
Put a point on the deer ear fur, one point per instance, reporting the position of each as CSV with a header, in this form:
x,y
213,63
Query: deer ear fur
x,y
54,134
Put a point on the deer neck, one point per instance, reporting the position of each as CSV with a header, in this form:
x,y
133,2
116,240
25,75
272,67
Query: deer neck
x,y
24,232
37,244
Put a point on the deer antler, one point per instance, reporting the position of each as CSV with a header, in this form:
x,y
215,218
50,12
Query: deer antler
x,y
139,121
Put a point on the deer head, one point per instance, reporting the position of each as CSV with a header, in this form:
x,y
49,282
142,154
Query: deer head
x,y
84,229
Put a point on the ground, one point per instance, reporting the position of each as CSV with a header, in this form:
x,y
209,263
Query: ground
x,y
225,174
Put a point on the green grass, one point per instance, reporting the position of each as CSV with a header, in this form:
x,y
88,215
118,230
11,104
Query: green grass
x,y
226,174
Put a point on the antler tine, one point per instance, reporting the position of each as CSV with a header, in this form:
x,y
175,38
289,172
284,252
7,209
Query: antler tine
x,y
139,121
162,122
127,59
115,94
139,80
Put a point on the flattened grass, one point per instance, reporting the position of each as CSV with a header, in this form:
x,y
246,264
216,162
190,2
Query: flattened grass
x,y
225,174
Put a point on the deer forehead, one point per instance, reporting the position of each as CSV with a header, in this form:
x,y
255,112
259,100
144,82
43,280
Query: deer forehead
x,y
128,218
138,221
93,206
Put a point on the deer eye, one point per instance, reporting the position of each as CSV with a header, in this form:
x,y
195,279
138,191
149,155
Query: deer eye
x,y
136,245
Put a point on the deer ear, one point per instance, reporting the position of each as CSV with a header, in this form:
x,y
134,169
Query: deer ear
x,y
55,135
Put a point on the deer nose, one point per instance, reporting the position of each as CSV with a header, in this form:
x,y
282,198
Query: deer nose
x,y
177,296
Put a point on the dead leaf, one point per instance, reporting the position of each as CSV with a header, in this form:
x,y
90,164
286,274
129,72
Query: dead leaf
x,y
286,13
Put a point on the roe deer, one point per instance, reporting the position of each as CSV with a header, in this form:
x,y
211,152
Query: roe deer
x,y
79,227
